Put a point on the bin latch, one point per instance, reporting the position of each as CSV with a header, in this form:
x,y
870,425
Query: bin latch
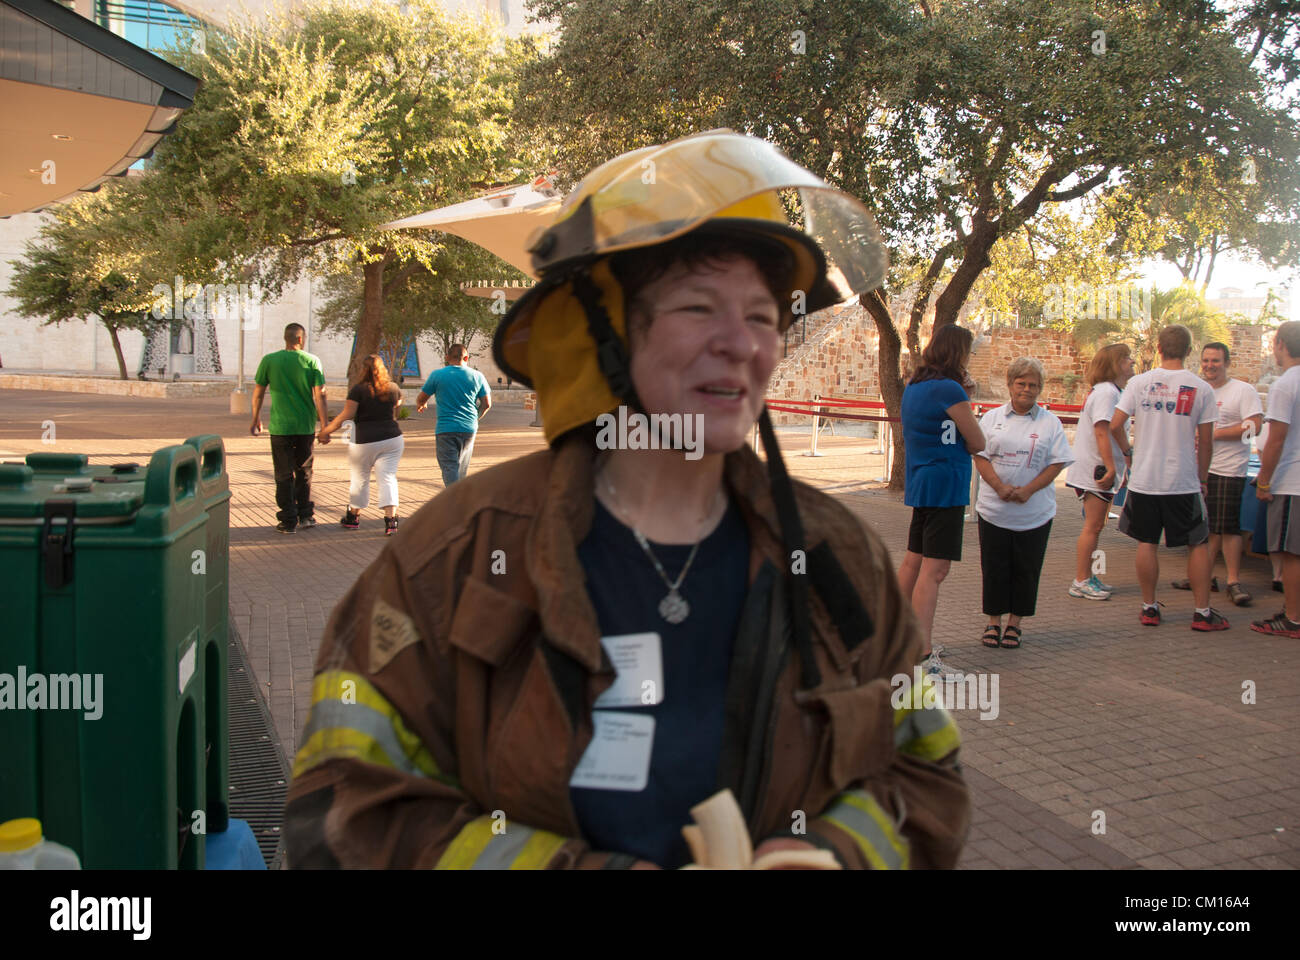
x,y
56,545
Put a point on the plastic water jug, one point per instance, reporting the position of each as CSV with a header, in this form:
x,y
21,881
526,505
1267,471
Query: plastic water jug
x,y
23,848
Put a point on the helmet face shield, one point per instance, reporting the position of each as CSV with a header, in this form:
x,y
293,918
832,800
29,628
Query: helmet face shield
x,y
856,258
652,195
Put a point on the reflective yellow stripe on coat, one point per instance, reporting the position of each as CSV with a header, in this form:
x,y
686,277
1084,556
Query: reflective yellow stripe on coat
x,y
493,843
927,732
351,719
858,814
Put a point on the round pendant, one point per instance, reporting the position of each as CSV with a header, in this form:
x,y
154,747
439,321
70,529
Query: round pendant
x,y
673,608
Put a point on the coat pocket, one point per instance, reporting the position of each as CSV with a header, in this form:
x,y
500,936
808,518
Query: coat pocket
x,y
860,730
490,624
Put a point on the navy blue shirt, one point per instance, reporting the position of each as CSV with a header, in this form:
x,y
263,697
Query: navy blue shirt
x,y
625,591
938,473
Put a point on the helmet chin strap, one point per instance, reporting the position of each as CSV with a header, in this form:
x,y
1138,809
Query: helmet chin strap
x,y
787,513
610,351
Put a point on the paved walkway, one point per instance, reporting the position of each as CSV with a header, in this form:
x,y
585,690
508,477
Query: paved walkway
x,y
1097,714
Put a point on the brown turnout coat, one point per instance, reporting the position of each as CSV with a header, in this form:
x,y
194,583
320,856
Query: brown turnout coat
x,y
473,628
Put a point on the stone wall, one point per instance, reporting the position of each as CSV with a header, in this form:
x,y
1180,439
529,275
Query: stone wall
x,y
121,388
1252,352
838,359
1061,359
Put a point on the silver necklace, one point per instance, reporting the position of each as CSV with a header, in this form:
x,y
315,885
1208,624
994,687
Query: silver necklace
x,y
672,607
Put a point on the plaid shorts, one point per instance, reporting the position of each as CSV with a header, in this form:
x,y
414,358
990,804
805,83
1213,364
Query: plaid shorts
x,y
1223,503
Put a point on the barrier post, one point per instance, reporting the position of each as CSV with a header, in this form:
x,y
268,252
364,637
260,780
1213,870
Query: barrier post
x,y
886,446
816,427
889,449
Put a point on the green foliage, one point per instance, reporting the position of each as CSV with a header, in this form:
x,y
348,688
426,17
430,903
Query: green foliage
x,y
956,122
83,263
309,131
1053,248
1183,304
428,303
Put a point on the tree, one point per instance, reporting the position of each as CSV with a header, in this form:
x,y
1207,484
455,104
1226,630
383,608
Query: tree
x,y
430,304
1141,329
957,123
79,266
311,131
1207,210
1052,251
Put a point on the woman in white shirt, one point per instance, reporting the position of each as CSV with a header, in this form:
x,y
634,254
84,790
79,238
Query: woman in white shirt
x,y
1026,450
1098,464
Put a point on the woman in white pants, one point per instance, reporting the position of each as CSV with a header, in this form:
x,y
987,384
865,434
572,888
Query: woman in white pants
x,y
377,442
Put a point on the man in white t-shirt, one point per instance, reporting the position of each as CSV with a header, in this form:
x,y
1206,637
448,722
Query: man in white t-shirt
x,y
1173,413
1278,483
1240,419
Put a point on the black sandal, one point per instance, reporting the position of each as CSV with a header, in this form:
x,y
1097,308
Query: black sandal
x,y
1006,635
992,633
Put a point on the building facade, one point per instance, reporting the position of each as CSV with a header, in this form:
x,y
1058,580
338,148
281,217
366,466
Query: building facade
x,y
203,346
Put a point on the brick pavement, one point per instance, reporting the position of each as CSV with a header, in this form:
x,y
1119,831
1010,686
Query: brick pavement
x,y
1096,712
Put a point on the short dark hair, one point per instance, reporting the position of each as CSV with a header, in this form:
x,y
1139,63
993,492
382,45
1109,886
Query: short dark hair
x,y
1289,334
456,352
1216,345
697,251
944,357
294,331
1175,342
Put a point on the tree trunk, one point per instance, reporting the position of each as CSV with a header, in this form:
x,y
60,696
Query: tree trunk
x,y
974,261
117,351
372,317
922,301
1209,270
889,368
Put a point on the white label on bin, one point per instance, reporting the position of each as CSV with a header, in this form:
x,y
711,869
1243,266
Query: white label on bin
x,y
185,671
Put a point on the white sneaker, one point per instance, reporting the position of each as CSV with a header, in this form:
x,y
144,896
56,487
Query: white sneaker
x,y
932,666
1088,591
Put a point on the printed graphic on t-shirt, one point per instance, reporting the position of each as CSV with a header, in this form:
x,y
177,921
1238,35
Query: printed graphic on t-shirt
x,y
1161,399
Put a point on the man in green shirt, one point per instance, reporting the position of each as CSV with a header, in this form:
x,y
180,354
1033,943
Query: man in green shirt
x,y
296,381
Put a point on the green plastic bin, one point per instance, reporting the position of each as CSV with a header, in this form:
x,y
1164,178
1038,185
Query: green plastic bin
x,y
214,488
111,762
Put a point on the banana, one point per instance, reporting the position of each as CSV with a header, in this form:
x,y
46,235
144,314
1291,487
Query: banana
x,y
719,840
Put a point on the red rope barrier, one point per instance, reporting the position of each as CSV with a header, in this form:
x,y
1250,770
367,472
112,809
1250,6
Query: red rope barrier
x,y
785,406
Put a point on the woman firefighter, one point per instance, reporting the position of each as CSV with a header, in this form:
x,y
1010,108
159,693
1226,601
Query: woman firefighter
x,y
567,652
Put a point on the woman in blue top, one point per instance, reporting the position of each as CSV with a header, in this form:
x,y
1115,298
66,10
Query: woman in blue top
x,y
939,435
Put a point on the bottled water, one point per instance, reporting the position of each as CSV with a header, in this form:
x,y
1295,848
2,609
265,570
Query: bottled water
x,y
22,847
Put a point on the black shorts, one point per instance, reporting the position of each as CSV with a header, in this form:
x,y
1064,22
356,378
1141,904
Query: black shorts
x,y
936,532
1081,493
1223,503
1180,515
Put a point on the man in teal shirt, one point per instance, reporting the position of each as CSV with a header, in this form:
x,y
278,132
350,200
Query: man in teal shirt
x,y
462,396
298,400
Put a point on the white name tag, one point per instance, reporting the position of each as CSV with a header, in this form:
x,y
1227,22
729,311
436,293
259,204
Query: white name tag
x,y
638,658
618,757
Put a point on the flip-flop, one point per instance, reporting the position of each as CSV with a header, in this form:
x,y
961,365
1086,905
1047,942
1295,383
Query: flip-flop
x,y
992,633
1006,635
